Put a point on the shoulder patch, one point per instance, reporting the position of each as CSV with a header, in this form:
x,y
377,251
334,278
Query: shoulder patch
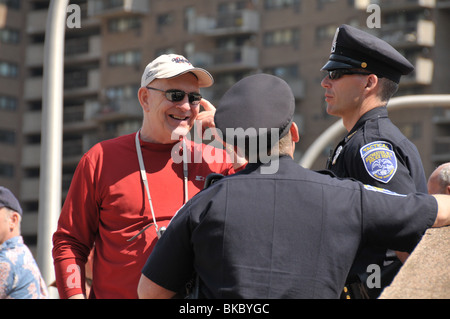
x,y
379,160
382,190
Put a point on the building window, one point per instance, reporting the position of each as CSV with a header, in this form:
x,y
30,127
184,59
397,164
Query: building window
x,y
8,70
412,131
284,72
6,170
124,24
325,32
121,92
282,37
164,20
125,58
9,36
7,137
322,3
13,4
278,4
8,103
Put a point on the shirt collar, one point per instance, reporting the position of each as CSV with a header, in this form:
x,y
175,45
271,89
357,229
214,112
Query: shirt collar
x,y
12,242
372,114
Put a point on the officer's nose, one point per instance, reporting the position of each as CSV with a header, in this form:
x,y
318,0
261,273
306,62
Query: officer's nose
x,y
325,83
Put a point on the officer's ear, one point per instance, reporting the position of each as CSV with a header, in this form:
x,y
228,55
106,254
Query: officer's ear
x,y
294,133
371,81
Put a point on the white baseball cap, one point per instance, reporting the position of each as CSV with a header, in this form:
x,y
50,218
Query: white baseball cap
x,y
172,65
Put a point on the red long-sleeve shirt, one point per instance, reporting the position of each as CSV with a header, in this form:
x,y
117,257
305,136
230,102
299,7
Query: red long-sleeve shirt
x,y
107,205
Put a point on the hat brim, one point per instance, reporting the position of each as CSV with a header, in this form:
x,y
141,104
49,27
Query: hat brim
x,y
333,65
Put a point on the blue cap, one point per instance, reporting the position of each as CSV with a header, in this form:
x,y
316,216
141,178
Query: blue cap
x,y
356,49
8,200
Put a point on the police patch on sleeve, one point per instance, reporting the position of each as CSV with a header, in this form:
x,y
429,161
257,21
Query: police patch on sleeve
x,y
379,160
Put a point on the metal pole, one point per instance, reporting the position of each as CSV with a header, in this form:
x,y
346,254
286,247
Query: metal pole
x,y
51,136
402,102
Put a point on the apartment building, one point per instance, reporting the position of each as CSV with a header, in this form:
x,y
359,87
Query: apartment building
x,y
105,58
12,73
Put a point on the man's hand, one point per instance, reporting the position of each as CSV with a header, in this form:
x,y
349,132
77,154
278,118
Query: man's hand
x,y
206,116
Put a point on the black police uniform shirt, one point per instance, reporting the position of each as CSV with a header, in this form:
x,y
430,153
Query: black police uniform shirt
x,y
376,153
282,235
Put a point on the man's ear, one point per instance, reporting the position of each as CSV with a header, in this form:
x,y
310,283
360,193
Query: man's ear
x,y
294,133
143,96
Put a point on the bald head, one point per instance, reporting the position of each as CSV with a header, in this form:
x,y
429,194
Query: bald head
x,y
439,181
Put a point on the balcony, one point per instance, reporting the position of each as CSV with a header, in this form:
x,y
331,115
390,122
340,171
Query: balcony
x,y
423,73
81,82
31,155
443,4
297,86
30,189
222,60
33,88
405,35
76,118
110,8
441,149
396,5
120,109
76,50
35,55
37,21
32,122
229,23
83,49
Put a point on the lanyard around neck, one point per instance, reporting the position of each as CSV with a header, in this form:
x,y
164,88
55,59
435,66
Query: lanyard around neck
x,y
145,181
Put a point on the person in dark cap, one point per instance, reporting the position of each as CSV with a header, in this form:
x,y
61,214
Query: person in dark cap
x,y
20,276
278,235
363,74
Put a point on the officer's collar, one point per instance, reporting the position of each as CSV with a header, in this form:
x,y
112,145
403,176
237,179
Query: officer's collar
x,y
377,112
251,166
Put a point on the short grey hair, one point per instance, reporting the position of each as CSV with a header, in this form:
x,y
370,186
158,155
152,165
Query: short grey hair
x,y
444,177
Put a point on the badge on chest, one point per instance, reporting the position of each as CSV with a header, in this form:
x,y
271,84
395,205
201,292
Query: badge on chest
x,y
379,160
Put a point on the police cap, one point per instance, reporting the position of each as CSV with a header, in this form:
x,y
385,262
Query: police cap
x,y
256,104
353,48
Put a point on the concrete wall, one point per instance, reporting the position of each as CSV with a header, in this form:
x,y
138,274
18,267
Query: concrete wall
x,y
425,275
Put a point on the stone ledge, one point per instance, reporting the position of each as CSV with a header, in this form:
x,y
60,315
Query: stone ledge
x,y
426,273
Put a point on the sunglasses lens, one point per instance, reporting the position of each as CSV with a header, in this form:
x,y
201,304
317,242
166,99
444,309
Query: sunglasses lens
x,y
178,95
194,98
334,74
175,95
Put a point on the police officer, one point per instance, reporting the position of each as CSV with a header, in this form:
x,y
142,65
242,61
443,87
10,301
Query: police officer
x,y
275,229
363,74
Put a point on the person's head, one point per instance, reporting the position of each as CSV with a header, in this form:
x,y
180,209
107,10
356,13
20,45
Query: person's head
x,y
439,180
10,215
170,97
362,70
256,115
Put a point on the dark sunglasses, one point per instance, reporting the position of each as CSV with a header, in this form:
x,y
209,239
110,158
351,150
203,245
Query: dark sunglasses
x,y
174,95
338,73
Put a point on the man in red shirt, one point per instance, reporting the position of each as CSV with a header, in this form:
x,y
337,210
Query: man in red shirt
x,y
123,185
